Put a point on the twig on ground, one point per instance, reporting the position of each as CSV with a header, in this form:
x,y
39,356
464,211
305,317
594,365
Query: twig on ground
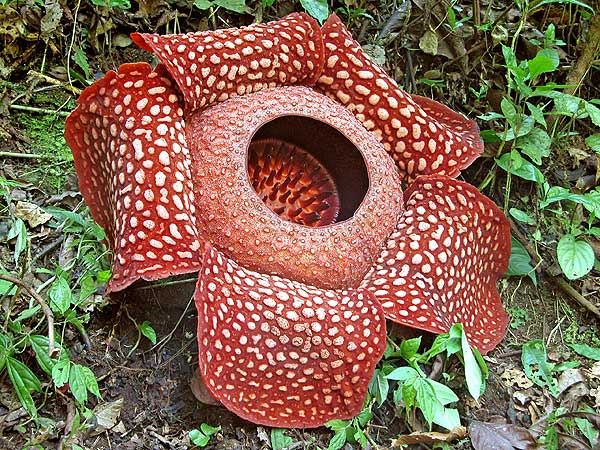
x,y
39,110
568,289
47,311
21,155
56,82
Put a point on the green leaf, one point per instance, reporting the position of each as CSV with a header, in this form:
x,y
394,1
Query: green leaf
x,y
426,399
6,287
80,59
536,145
403,374
521,216
39,344
198,438
537,114
91,383
520,261
594,113
587,351
77,383
546,60
575,257
337,425
60,295
409,348
443,393
519,167
509,111
509,57
319,9
18,232
24,381
337,441
592,142
379,387
202,5
279,440
364,416
446,417
60,372
6,349
473,374
147,330
238,6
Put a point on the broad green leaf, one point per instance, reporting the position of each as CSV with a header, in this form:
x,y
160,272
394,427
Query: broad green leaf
x,y
520,261
537,114
575,256
147,330
525,169
443,393
403,374
337,441
364,416
594,113
24,381
279,440
5,349
18,232
198,438
509,111
509,56
337,425
39,344
80,59
6,287
426,399
238,6
379,387
91,383
536,145
473,374
446,417
202,5
77,383
521,216
409,348
546,60
587,351
592,142
319,9
60,295
60,372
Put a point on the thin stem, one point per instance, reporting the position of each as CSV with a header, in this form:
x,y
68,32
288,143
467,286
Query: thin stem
x,y
47,311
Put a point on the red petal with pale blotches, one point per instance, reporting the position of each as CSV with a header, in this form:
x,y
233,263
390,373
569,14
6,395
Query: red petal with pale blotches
x,y
128,141
281,353
441,264
211,66
423,136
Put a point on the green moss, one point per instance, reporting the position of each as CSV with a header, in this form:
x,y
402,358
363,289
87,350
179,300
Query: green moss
x,y
45,131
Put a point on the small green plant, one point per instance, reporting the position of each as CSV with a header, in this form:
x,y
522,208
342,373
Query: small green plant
x,y
538,369
530,129
352,431
201,437
279,440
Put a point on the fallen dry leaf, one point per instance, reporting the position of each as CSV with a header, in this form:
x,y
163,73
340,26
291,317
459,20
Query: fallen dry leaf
x,y
32,213
430,437
500,436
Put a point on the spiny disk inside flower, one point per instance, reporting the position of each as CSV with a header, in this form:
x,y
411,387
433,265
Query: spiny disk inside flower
x,y
292,183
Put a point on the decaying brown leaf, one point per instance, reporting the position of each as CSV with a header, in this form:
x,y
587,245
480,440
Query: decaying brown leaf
x,y
32,213
430,437
500,436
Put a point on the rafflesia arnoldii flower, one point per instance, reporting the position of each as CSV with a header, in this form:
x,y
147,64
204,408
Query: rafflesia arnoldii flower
x,y
270,159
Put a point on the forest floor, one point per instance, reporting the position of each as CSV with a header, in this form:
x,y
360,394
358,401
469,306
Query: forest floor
x,y
140,345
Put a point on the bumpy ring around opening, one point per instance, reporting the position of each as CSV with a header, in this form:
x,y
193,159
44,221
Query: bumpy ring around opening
x,y
234,218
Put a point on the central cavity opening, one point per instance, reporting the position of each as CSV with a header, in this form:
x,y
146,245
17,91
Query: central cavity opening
x,y
306,171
